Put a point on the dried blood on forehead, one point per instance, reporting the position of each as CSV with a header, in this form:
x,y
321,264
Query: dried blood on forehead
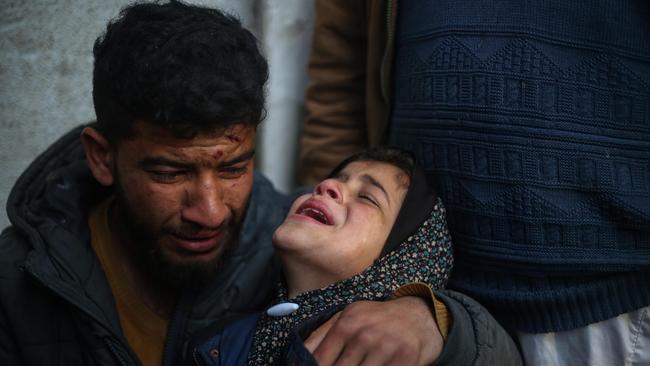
x,y
233,138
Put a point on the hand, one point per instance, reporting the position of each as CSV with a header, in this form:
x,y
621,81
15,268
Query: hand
x,y
396,332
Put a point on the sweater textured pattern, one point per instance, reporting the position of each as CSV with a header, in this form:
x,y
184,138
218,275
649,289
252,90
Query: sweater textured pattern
x,y
534,122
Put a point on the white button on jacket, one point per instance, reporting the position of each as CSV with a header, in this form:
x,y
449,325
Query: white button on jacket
x,y
282,309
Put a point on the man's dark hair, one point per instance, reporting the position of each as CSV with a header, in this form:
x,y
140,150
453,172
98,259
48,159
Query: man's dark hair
x,y
396,156
186,68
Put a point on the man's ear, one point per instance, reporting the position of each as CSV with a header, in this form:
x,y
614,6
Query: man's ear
x,y
99,155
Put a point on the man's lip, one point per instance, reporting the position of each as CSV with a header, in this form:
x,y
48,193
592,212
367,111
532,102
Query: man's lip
x,y
316,205
197,243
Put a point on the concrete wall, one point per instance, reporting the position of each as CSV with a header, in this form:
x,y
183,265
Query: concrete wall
x,y
46,71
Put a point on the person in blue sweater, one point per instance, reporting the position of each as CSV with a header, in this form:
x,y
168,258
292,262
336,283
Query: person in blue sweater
x,y
371,231
533,119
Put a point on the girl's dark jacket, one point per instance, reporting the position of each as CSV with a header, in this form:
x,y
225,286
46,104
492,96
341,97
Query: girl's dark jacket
x,y
56,307
475,338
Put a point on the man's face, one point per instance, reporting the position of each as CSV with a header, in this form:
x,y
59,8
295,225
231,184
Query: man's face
x,y
343,225
181,201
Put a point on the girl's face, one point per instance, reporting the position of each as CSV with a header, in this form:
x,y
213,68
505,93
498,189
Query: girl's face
x,y
342,226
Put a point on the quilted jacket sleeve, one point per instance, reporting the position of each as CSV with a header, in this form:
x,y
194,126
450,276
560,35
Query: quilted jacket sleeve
x,y
9,351
475,337
8,348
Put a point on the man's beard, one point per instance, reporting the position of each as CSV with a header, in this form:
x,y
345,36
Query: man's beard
x,y
160,266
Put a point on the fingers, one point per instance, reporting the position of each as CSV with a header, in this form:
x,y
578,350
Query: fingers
x,y
358,348
317,336
397,332
331,345
366,346
390,355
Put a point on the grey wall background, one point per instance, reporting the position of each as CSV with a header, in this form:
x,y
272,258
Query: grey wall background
x,y
46,74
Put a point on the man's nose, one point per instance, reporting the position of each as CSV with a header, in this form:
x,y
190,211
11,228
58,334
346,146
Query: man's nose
x,y
330,188
204,204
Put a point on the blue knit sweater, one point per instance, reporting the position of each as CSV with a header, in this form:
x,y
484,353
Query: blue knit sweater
x,y
534,120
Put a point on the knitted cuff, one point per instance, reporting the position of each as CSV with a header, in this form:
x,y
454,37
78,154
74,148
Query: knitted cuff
x,y
438,309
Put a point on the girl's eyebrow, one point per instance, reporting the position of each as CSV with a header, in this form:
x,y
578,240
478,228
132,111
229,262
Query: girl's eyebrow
x,y
374,182
366,178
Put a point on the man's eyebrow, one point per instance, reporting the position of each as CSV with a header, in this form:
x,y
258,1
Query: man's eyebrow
x,y
149,162
247,155
153,161
370,179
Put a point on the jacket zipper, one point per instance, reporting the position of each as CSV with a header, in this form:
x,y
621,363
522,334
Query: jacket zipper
x,y
176,327
195,357
111,347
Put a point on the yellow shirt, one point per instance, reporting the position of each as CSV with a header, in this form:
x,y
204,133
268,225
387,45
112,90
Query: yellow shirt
x,y
144,329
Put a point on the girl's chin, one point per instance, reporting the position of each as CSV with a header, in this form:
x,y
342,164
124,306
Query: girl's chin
x,y
289,239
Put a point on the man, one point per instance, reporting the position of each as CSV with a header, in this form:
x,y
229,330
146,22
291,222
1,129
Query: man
x,y
125,243
533,121
153,224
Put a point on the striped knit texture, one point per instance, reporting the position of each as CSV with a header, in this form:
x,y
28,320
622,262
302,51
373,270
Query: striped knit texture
x,y
534,120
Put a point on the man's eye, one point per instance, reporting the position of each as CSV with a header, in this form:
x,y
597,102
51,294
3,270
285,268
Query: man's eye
x,y
233,171
166,176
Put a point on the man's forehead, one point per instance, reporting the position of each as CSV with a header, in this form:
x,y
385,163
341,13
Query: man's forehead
x,y
234,133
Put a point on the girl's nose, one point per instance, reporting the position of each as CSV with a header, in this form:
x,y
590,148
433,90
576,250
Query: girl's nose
x,y
329,187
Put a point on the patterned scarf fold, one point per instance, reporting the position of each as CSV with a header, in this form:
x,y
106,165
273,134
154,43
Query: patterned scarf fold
x,y
425,256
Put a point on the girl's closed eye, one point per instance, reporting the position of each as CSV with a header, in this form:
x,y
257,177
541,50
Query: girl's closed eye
x,y
369,198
